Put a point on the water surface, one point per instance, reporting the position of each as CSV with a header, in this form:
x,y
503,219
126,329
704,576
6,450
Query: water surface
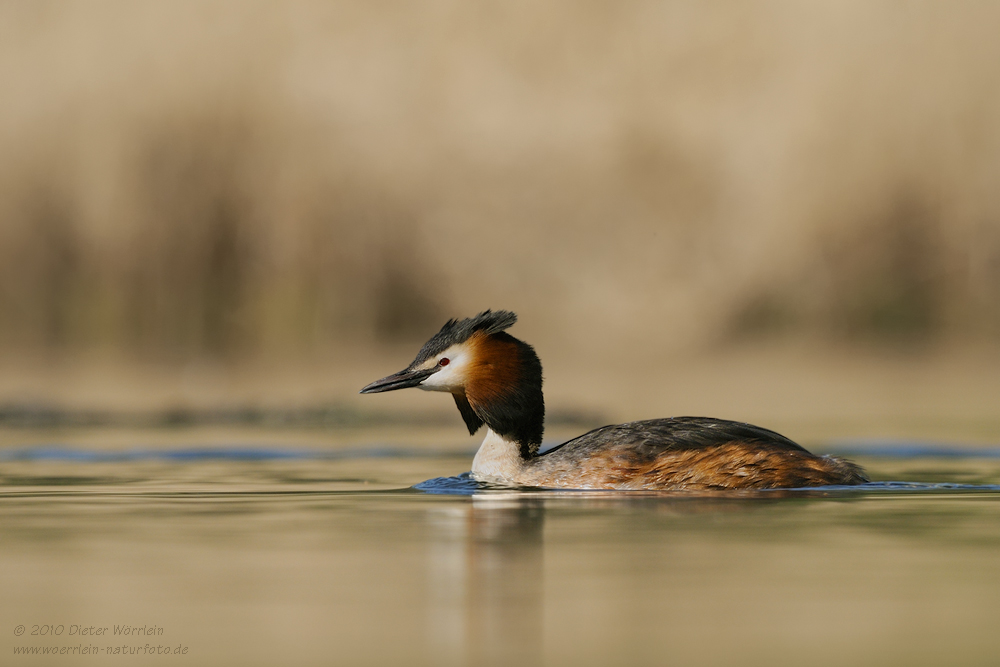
x,y
251,554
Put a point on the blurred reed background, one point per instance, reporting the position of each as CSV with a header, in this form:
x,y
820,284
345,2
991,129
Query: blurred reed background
x,y
279,200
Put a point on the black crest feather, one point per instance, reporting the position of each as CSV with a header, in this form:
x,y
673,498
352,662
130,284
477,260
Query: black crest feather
x,y
458,331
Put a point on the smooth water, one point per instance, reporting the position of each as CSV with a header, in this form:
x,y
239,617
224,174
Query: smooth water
x,y
263,555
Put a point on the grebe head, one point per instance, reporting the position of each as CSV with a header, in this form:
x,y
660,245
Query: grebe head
x,y
495,378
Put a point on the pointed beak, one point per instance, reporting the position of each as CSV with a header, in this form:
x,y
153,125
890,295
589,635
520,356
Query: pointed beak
x,y
401,380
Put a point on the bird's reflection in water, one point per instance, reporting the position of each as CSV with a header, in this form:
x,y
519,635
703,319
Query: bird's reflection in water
x,y
485,598
486,581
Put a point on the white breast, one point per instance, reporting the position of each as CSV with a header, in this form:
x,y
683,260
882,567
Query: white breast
x,y
497,459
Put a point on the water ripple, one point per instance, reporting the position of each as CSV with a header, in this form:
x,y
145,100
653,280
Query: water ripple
x,y
466,485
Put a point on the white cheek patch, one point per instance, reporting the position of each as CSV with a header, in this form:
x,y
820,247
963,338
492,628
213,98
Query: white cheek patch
x,y
450,377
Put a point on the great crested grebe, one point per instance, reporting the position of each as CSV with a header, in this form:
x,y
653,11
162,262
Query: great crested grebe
x,y
496,380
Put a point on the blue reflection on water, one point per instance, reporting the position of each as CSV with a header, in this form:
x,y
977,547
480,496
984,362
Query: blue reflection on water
x,y
465,485
459,485
214,453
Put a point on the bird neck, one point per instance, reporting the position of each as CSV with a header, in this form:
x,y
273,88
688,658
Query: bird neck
x,y
499,458
504,391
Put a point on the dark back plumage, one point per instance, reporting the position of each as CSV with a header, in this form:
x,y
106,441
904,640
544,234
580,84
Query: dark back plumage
x,y
650,437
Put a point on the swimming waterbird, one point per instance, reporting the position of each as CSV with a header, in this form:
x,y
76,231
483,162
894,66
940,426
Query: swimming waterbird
x,y
496,381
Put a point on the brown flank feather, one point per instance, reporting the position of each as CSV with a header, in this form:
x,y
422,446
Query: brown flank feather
x,y
733,465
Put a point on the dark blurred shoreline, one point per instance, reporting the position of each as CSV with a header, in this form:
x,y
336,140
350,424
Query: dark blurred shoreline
x,y
28,417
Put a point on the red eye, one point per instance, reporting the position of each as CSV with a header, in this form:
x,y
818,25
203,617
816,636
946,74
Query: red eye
x,y
443,362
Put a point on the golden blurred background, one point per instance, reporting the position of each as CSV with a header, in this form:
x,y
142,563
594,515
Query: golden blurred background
x,y
777,211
